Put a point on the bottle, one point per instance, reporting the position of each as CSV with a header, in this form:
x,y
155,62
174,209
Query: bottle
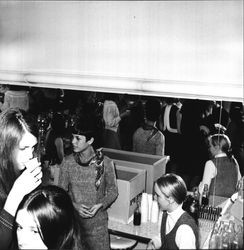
x,y
137,215
196,193
194,208
215,241
239,236
205,199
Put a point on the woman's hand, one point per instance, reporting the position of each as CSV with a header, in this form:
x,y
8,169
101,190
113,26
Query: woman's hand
x,y
29,179
24,184
88,212
84,211
95,208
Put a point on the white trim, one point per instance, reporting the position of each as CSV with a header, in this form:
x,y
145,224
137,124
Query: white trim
x,y
141,86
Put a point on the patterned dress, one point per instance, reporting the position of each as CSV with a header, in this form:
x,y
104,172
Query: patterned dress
x,y
90,185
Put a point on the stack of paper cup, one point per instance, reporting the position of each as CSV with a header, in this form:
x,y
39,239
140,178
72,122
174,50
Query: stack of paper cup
x,y
154,212
150,200
144,208
160,216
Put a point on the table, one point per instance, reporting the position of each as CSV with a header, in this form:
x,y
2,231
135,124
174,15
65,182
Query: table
x,y
143,233
146,231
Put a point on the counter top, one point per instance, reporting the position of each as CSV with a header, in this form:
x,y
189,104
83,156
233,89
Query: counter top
x,y
146,231
143,233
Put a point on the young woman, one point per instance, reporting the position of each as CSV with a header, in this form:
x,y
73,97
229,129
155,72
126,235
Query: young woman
x,y
177,225
221,173
47,219
54,144
148,139
19,172
90,179
112,118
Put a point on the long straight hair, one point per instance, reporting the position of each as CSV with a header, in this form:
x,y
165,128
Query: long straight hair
x,y
173,185
57,219
12,128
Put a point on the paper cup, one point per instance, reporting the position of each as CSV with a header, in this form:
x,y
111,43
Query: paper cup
x,y
32,162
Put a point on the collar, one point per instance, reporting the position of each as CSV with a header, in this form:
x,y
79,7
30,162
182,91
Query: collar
x,y
175,215
220,155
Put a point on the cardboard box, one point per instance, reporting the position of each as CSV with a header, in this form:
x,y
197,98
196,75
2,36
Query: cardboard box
x,y
131,184
154,165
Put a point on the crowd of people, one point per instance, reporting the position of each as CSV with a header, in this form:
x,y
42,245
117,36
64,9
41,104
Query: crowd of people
x,y
67,187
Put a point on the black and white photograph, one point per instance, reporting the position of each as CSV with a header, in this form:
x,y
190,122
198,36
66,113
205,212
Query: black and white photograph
x,y
121,124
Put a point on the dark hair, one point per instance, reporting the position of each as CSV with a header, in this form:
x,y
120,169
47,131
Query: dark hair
x,y
152,109
172,185
58,123
57,219
83,127
12,128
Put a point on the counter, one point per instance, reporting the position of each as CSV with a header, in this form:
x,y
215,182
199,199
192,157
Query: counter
x,y
146,231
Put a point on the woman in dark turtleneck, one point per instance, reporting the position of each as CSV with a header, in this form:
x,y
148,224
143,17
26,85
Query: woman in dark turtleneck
x,y
90,179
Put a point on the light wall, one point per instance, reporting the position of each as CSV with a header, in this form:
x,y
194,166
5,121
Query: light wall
x,y
181,48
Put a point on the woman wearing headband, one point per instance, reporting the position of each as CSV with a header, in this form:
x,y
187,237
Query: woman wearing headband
x,y
221,173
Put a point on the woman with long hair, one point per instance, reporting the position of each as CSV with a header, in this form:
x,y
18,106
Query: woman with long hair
x,y
20,173
178,228
47,219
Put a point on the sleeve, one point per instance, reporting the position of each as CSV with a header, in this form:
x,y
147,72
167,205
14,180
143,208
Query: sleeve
x,y
185,232
111,188
6,225
178,119
237,169
210,172
64,176
134,141
160,145
60,149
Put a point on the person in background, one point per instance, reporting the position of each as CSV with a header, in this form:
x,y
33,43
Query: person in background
x,y
47,219
3,89
54,145
148,139
193,150
221,173
16,97
112,118
235,132
220,115
169,124
19,172
54,148
178,228
90,179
